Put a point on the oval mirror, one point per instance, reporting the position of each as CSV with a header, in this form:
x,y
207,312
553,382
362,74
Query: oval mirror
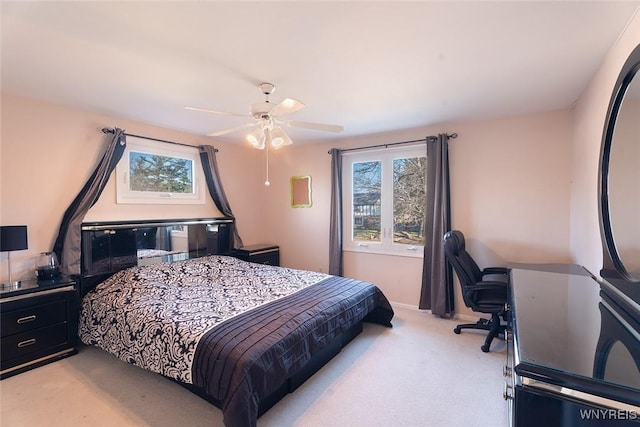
x,y
620,173
624,181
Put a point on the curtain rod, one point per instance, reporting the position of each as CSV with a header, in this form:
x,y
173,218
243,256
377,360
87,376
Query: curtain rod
x,y
452,136
107,130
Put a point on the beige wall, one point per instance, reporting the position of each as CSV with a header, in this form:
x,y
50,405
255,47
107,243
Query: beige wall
x,y
510,181
589,117
524,189
47,152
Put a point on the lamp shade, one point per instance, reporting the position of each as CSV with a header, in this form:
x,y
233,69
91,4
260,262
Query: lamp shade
x,y
279,138
13,238
257,139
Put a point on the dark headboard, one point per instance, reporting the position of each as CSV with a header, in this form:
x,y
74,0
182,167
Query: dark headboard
x,y
111,246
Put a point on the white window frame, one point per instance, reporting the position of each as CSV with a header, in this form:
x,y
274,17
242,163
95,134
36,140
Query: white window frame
x,y
124,194
386,246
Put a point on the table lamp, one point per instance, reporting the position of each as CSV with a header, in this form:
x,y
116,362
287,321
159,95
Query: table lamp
x,y
13,238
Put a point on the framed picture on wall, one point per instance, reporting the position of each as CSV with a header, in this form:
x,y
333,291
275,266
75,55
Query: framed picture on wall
x,y
301,192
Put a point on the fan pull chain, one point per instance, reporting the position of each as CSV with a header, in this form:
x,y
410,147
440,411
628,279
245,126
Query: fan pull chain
x,y
267,183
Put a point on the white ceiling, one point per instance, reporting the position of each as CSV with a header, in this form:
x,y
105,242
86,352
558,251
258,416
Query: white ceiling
x,y
369,66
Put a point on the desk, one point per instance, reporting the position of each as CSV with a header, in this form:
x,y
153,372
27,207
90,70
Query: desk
x,y
573,355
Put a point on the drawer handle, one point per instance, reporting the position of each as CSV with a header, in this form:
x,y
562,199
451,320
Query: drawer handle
x,y
26,319
26,343
505,393
506,371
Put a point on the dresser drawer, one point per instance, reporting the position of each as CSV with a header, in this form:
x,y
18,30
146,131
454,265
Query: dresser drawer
x,y
34,341
34,317
38,324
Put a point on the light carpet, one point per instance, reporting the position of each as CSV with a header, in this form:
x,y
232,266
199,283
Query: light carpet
x,y
418,373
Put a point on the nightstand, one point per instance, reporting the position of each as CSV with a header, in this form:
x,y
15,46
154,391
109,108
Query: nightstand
x,y
260,254
38,324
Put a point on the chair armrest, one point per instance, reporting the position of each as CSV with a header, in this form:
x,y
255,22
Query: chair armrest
x,y
489,286
487,297
495,270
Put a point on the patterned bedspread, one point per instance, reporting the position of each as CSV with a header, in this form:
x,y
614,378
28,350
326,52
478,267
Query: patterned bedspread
x,y
153,316
234,329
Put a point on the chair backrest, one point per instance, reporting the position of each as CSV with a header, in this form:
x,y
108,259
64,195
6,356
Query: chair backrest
x,y
465,267
468,262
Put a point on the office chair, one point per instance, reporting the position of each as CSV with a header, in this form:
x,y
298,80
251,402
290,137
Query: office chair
x,y
483,291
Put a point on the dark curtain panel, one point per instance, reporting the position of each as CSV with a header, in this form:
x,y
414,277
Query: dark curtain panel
x,y
211,174
437,282
335,222
67,244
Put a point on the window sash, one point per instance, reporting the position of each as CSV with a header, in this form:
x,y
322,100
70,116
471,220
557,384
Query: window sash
x,y
125,194
409,199
385,244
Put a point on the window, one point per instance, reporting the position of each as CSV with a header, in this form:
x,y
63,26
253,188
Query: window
x,y
384,201
154,172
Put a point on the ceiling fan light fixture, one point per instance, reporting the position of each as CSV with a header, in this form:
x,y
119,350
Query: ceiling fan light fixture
x,y
257,139
279,138
266,115
267,135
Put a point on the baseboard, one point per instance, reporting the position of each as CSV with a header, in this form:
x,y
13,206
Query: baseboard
x,y
465,317
407,307
456,316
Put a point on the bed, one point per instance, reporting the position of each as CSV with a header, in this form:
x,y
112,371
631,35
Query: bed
x,y
241,335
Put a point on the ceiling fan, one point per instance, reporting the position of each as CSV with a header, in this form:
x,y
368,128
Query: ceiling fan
x,y
268,121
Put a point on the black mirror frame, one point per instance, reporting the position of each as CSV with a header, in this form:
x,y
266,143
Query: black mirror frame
x,y
613,269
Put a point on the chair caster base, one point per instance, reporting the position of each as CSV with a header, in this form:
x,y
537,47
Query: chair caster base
x,y
492,325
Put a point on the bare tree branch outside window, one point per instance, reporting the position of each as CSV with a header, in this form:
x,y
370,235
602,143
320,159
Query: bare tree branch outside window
x,y
367,187
155,173
409,200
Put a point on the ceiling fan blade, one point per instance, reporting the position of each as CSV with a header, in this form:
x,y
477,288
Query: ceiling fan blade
x,y
229,130
226,113
287,106
314,126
